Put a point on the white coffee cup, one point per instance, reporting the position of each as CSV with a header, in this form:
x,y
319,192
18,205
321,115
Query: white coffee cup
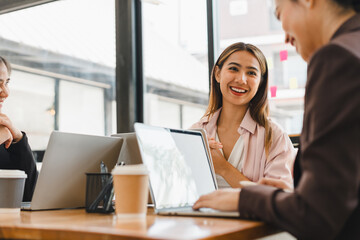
x,y
12,184
131,186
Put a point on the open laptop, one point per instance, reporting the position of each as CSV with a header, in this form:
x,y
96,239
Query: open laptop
x,y
130,153
180,170
62,181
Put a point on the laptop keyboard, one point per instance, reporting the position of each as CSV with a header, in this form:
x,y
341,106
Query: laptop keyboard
x,y
189,209
25,205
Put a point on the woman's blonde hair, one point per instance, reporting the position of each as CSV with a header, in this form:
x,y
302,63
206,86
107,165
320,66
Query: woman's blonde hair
x,y
259,105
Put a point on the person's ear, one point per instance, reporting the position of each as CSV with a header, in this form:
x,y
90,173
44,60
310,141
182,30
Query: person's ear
x,y
217,74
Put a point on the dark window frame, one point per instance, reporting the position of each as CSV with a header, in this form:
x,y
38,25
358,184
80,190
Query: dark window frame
x,y
129,62
129,65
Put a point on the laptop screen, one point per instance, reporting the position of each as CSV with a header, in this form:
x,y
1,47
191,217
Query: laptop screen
x,y
68,156
178,164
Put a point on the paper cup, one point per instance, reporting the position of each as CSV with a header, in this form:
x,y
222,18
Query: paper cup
x,y
131,186
12,184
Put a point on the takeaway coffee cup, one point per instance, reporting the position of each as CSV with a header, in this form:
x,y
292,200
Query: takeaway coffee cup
x,y
11,190
131,186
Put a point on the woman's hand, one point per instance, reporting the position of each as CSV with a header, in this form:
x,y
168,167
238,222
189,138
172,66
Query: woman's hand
x,y
222,167
5,136
224,200
214,144
275,183
16,133
218,159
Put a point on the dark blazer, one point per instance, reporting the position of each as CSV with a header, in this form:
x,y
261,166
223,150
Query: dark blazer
x,y
19,156
326,200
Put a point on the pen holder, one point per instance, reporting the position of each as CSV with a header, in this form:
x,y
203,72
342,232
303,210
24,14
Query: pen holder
x,y
99,193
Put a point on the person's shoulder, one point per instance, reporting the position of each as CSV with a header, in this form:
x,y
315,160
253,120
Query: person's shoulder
x,y
280,138
343,47
196,125
277,129
207,120
331,63
348,42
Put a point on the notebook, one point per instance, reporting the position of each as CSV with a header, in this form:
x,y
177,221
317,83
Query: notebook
x,y
62,181
180,169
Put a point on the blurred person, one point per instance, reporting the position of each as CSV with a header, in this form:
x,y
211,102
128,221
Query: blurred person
x,y
325,203
245,144
15,152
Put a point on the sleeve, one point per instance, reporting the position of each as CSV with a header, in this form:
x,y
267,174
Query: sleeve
x,y
21,154
281,157
328,191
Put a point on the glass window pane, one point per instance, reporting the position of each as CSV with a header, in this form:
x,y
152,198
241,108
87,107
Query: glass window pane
x,y
192,114
71,46
167,111
253,21
81,108
30,106
175,59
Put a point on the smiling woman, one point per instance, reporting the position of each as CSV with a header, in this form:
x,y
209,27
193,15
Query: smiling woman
x,y
326,201
245,143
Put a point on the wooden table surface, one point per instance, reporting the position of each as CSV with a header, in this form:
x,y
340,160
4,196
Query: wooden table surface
x,y
77,224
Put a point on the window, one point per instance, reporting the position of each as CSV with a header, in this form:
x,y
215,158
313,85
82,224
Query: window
x,y
253,21
175,62
83,112
63,55
30,105
68,63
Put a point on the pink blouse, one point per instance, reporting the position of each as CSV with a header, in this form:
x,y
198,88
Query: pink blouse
x,y
256,165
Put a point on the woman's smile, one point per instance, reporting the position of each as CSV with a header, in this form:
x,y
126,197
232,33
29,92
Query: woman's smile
x,y
238,91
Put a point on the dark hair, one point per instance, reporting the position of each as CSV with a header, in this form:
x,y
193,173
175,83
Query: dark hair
x,y
354,4
7,64
259,105
346,4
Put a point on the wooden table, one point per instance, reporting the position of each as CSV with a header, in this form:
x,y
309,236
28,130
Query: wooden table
x,y
77,224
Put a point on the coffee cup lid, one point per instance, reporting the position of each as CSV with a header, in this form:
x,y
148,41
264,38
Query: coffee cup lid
x,y
136,169
12,174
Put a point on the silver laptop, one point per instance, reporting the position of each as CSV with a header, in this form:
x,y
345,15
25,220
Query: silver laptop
x,y
129,153
180,170
62,180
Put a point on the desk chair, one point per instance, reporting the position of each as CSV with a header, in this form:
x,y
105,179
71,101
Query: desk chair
x,y
295,139
38,155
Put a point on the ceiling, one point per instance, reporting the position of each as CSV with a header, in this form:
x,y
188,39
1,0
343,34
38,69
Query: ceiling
x,y
13,5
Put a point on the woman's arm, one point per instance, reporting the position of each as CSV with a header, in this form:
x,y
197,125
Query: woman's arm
x,y
16,133
5,136
21,154
223,168
276,183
